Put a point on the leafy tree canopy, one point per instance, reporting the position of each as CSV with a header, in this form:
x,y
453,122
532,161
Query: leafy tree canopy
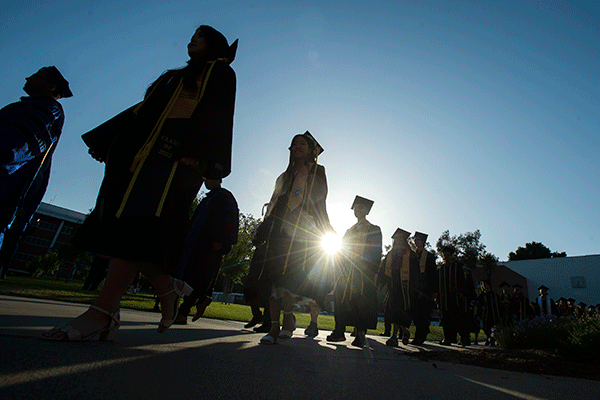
x,y
533,251
469,249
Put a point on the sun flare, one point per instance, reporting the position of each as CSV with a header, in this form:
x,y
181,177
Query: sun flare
x,y
331,243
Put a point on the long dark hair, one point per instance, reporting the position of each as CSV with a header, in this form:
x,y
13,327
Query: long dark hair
x,y
217,48
310,158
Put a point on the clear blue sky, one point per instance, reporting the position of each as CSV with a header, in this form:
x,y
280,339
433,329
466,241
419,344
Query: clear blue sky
x,y
457,115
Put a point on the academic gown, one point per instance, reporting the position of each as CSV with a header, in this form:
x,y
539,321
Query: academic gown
x,y
355,291
29,132
125,223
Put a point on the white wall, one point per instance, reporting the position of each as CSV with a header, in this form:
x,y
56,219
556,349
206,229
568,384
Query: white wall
x,y
564,276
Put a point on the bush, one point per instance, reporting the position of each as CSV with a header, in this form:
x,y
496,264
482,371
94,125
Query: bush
x,y
47,264
572,337
584,338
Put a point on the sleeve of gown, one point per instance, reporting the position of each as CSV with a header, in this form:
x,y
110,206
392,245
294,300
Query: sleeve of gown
x,y
318,199
31,135
213,143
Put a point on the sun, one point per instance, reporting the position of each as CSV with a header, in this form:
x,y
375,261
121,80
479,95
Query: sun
x,y
331,243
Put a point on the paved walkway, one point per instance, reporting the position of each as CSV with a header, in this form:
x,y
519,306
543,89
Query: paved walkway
x,y
213,359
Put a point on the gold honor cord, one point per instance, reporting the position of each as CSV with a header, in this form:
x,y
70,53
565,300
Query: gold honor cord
x,y
142,155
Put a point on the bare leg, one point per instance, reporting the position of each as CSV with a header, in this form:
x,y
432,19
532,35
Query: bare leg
x,y
275,309
289,323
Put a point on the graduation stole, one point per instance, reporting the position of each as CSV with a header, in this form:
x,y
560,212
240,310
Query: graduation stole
x,y
405,266
305,196
142,155
491,307
298,189
447,274
548,306
423,261
388,263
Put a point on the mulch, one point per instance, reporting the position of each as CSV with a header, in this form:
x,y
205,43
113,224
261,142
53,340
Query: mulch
x,y
532,361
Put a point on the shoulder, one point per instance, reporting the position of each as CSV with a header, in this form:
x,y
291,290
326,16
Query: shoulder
x,y
222,70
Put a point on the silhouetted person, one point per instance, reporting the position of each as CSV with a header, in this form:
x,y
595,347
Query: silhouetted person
x,y
426,288
214,231
355,294
544,304
97,273
399,266
452,298
158,154
29,133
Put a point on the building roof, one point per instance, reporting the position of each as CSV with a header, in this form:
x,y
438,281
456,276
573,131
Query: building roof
x,y
61,213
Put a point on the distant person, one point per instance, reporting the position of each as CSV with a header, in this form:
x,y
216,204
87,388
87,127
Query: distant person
x,y
426,289
520,304
257,291
214,231
292,230
452,298
400,265
355,293
157,154
29,132
490,310
506,314
544,304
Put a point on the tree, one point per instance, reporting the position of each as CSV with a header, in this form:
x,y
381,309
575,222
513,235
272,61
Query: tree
x,y
236,263
533,251
469,250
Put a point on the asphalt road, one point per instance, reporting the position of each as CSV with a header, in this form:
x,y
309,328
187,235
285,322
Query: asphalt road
x,y
213,359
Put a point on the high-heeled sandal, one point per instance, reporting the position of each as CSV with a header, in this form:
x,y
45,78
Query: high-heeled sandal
x,y
72,335
271,339
285,334
187,290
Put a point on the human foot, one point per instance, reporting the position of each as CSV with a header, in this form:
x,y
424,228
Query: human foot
x,y
95,321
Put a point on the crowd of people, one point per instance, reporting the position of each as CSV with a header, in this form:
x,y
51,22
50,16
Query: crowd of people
x,y
157,156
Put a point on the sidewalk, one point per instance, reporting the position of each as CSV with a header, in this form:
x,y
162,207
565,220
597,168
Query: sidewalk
x,y
213,359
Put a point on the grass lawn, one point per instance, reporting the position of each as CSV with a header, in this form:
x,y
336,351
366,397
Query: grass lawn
x,y
52,288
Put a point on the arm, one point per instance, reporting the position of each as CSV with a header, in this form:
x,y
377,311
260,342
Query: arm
x,y
32,134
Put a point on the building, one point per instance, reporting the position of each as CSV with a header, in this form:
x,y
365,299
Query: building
x,y
577,277
55,228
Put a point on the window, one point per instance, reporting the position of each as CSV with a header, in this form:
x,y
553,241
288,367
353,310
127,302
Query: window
x,y
48,226
37,241
578,282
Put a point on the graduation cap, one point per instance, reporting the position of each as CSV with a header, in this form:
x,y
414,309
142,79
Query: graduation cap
x,y
363,202
448,249
542,287
562,299
516,285
504,284
400,234
318,148
571,300
582,304
421,236
61,83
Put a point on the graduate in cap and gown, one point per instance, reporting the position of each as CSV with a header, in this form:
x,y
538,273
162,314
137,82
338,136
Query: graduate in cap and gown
x,y
355,293
157,155
292,230
544,304
402,267
489,310
519,303
506,315
426,287
29,132
453,298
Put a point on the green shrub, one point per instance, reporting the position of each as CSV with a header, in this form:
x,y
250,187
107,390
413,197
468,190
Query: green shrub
x,y
47,264
584,339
